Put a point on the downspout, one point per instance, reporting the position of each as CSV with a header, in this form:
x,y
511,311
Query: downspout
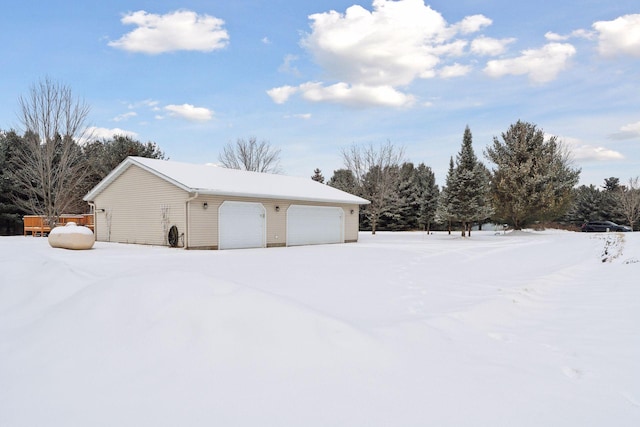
x,y
188,219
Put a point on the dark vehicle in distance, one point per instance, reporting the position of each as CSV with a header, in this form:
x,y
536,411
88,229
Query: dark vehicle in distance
x,y
604,226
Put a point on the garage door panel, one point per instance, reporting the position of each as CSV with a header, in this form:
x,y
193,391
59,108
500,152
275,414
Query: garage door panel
x,y
314,225
241,225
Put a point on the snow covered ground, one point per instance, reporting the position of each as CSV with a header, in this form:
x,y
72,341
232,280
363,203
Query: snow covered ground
x,y
400,329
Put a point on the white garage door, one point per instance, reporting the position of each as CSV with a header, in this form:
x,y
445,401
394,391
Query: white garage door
x,y
241,225
314,225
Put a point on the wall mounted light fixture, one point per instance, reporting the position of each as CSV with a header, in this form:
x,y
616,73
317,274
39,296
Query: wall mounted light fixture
x,y
277,208
352,211
205,205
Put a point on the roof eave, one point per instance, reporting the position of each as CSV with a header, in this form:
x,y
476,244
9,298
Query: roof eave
x,y
209,192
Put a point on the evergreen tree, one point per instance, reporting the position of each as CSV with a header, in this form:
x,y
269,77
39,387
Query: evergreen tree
x,y
485,211
10,213
469,192
427,196
404,201
588,205
343,179
533,178
611,184
317,176
444,211
609,201
105,155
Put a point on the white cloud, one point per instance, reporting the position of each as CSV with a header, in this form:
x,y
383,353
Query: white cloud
x,y
265,40
488,46
370,53
280,95
585,152
555,37
189,112
583,34
304,116
541,65
629,131
124,116
455,70
287,65
589,152
355,95
394,44
149,103
179,30
472,24
620,36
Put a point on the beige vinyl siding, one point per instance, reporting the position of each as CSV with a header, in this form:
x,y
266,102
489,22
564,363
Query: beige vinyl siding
x,y
204,222
351,222
203,232
136,200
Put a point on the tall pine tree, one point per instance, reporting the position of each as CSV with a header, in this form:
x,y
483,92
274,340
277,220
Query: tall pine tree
x,y
403,211
428,193
444,211
345,180
533,178
10,214
469,193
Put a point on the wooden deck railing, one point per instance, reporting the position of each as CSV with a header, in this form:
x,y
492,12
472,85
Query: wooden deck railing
x,y
38,225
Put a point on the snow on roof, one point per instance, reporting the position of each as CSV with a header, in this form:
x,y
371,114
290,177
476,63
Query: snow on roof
x,y
206,179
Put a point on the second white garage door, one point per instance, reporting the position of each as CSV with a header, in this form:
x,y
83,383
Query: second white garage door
x,y
241,225
314,225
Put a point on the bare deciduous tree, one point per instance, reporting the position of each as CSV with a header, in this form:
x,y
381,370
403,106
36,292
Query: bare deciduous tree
x,y
376,173
251,155
50,167
628,198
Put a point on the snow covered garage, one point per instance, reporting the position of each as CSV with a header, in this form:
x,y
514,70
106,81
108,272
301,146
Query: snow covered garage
x,y
160,202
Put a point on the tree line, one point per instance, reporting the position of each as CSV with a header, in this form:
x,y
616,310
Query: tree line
x,y
44,180
613,201
532,181
48,168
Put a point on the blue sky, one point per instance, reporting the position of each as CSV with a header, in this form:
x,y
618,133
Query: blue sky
x,y
313,78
